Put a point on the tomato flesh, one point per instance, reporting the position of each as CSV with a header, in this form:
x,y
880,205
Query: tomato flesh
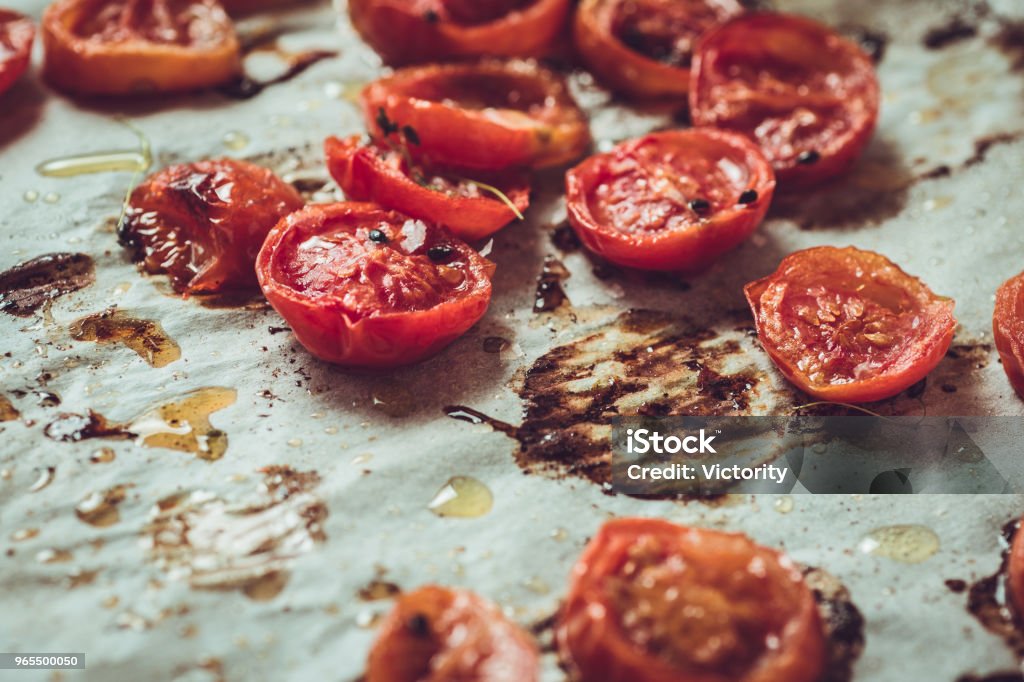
x,y
437,634
203,223
506,114
670,201
849,325
1008,332
651,601
363,286
16,36
807,95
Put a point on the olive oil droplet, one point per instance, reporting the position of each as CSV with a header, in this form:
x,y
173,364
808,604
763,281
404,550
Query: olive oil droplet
x,y
235,140
909,544
462,497
783,504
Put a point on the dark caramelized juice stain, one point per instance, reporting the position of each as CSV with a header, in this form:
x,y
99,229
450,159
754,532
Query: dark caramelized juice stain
x,y
1008,676
241,300
986,600
100,508
550,295
954,30
377,590
1010,41
247,88
873,42
72,428
8,412
146,337
565,239
843,623
468,414
27,286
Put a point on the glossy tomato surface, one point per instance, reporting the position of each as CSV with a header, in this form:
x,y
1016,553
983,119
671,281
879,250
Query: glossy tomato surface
x,y
643,48
490,115
1008,331
416,31
651,601
436,634
16,35
203,223
387,177
848,325
367,287
111,47
674,200
808,96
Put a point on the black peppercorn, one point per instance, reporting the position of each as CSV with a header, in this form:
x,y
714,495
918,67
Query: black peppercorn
x,y
378,237
748,197
440,253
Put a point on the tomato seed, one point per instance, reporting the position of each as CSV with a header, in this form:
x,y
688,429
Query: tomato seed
x,y
808,157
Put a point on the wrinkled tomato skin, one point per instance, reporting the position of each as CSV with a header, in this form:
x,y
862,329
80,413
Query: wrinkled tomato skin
x,y
923,347
364,175
436,634
627,70
95,65
552,132
593,642
405,32
844,106
327,325
16,35
203,223
692,248
1008,332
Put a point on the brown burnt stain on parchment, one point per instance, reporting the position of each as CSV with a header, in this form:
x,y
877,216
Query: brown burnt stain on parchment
x,y
112,326
842,621
8,412
28,286
247,544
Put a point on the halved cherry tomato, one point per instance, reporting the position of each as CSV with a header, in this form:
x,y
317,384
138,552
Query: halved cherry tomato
x,y
436,634
643,48
1008,332
385,176
1015,574
650,601
16,35
492,115
416,31
672,200
807,95
366,287
119,47
848,325
203,223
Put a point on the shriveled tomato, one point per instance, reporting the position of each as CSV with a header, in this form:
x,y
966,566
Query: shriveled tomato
x,y
492,115
367,287
643,48
436,634
416,31
672,200
1015,574
650,601
203,223
1008,332
447,197
119,47
16,35
806,94
849,325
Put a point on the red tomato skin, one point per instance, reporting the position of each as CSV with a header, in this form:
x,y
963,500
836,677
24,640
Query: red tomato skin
x,y
1015,574
839,156
599,651
1008,332
492,648
687,251
862,391
453,136
621,68
363,176
375,342
19,32
400,32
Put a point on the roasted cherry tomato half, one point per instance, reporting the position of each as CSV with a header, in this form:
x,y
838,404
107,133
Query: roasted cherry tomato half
x,y
492,115
366,287
1008,331
1015,574
387,176
16,35
417,31
670,201
848,325
119,47
807,95
204,223
643,48
650,601
436,634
